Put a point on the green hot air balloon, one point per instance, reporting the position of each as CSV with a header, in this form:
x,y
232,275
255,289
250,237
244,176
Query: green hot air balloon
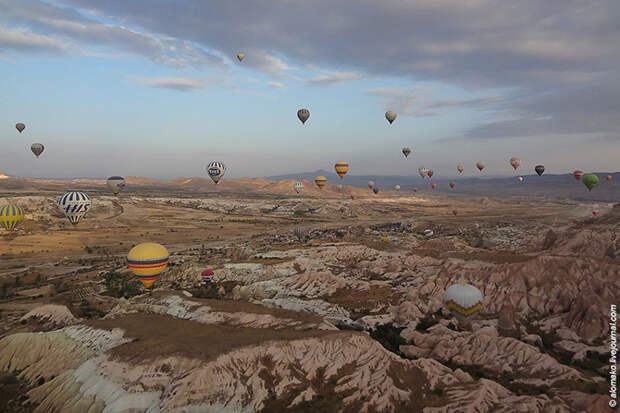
x,y
590,181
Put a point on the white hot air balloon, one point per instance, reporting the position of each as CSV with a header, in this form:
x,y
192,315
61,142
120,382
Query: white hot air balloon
x,y
371,184
74,205
390,115
298,186
397,187
216,171
464,301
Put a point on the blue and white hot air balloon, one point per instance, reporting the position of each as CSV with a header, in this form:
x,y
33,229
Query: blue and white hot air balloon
x,y
216,171
74,205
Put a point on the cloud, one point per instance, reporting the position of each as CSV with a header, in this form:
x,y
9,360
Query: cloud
x,y
180,83
275,84
334,77
24,40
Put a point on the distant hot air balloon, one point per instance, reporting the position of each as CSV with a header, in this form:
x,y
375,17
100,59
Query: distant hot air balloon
x,y
240,56
515,162
454,212
390,115
422,171
375,190
460,168
595,212
371,184
428,233
539,169
452,185
578,175
433,185
397,187
20,127
430,173
520,179
303,115
341,168
480,165
147,261
320,181
207,276
116,184
10,216
37,149
216,171
300,232
464,301
608,177
298,186
74,205
590,181
406,151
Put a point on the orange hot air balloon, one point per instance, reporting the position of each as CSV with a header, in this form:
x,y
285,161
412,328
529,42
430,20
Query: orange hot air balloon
x,y
452,185
433,185
578,175
341,168
609,177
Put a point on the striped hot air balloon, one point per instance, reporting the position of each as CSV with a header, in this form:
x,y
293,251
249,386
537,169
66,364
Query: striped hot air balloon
x,y
298,186
10,216
341,168
74,205
207,276
147,261
216,171
320,181
464,301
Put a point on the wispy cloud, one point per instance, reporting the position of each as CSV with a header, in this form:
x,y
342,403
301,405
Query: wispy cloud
x,y
277,85
334,77
181,83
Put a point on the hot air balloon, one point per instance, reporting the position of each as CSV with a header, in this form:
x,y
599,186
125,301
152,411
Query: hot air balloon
x,y
216,171
452,185
608,177
74,205
37,149
298,186
397,187
303,115
375,190
590,181
428,233
10,216
460,168
480,165
422,171
464,301
595,212
390,115
406,151
454,212
578,175
341,168
515,162
207,276
147,261
433,185
320,181
430,173
300,233
116,184
539,169
240,56
20,127
371,184
520,179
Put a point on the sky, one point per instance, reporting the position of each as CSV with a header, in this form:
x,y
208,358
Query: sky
x,y
153,87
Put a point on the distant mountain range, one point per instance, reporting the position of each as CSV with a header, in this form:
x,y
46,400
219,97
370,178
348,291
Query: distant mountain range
x,y
556,186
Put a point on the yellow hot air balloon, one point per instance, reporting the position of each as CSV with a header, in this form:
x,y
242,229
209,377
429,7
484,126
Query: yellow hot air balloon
x,y
10,215
320,181
147,261
341,168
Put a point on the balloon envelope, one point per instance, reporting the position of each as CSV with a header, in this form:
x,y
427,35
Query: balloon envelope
x,y
240,56
609,177
37,149
520,179
341,168
10,216
320,181
20,127
375,190
397,187
298,186
216,171
147,261
371,184
480,165
390,115
115,184
578,175
464,301
515,162
539,169
406,151
303,115
590,181
433,185
460,168
430,173
74,205
452,185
